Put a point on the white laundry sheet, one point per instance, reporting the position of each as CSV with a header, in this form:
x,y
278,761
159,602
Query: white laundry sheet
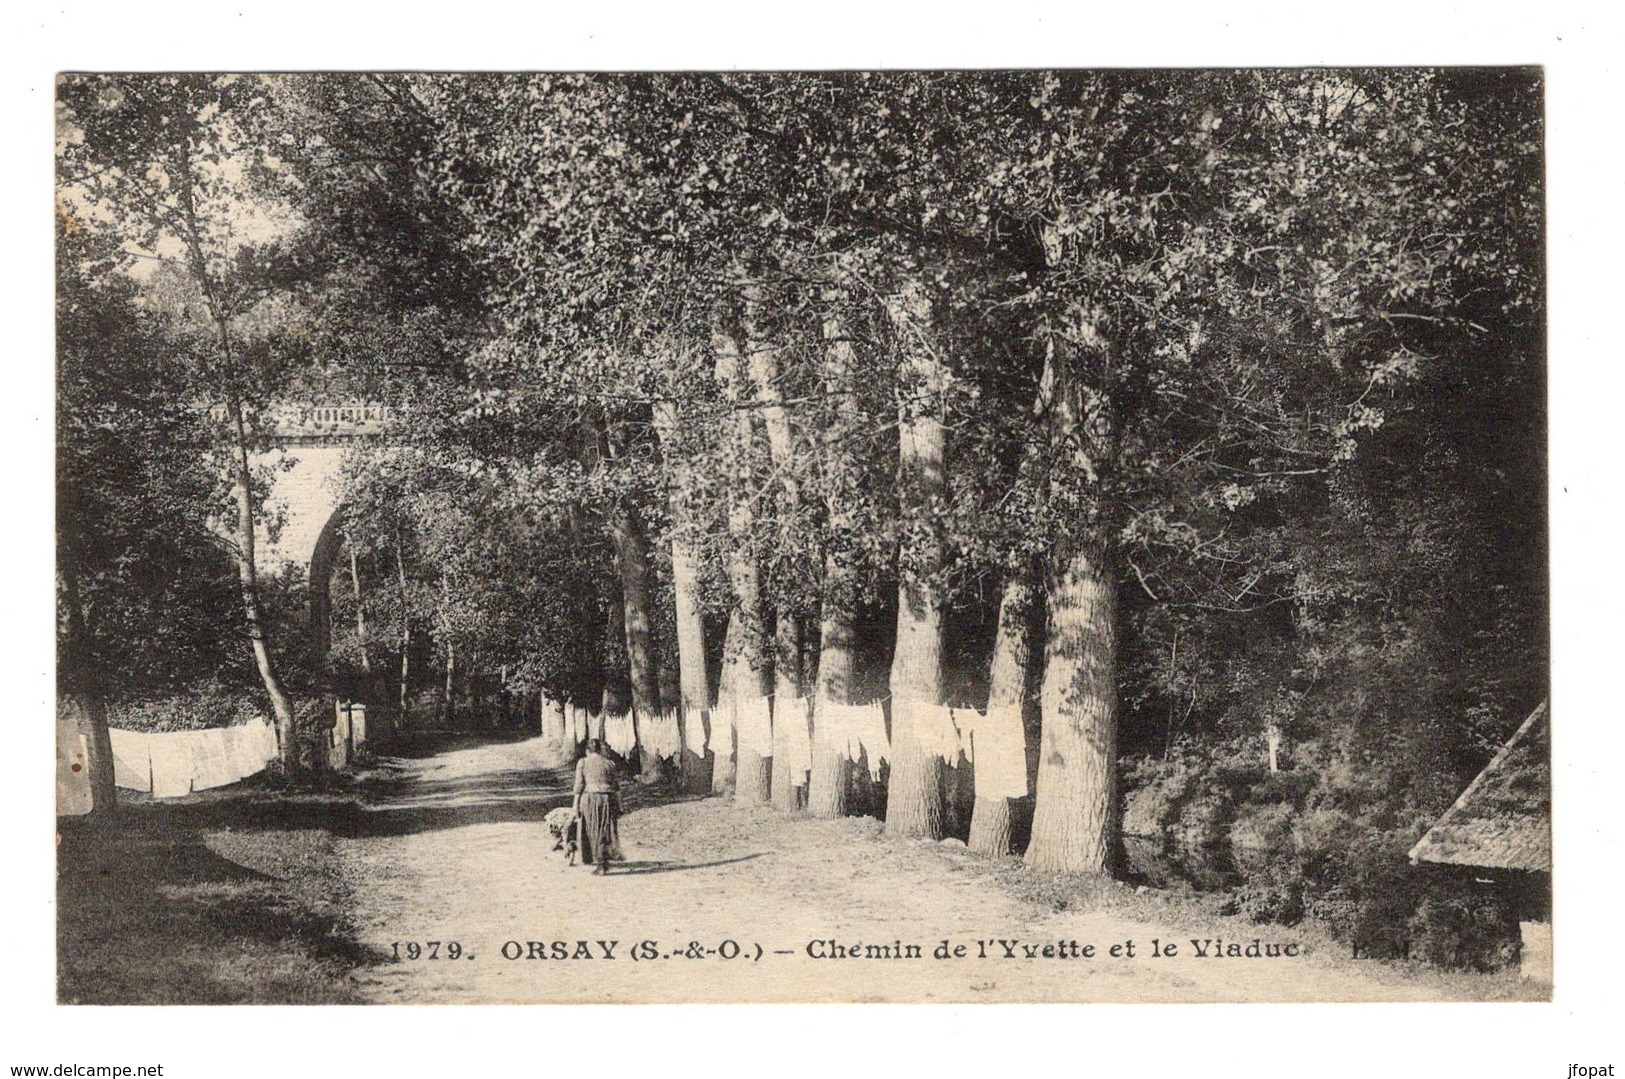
x,y
1000,757
856,729
132,760
792,738
169,764
172,755
253,744
694,730
621,733
754,717
932,726
659,735
719,736
212,764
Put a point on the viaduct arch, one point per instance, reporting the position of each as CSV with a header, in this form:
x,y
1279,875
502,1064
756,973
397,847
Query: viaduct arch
x,y
308,444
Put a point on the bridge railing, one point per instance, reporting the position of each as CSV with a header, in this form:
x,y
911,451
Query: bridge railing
x,y
292,420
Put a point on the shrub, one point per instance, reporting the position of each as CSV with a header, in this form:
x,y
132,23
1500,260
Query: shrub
x,y
1155,791
1463,929
1262,843
210,705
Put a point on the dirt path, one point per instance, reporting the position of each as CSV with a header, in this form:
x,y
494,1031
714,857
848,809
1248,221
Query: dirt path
x,y
459,853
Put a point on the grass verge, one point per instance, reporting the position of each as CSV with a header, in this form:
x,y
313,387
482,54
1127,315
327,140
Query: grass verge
x,y
177,904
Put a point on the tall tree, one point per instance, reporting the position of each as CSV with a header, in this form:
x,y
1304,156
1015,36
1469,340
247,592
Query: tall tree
x,y
180,163
144,590
693,671
914,795
990,825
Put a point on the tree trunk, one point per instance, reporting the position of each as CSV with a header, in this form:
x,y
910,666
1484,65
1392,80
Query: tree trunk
x,y
1075,827
632,560
720,739
89,712
449,710
789,709
360,610
787,680
1007,688
745,670
241,474
914,792
406,635
693,679
1074,820
694,683
831,765
248,578
79,685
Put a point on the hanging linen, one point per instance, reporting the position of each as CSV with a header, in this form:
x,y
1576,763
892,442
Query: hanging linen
x,y
1001,754
273,737
211,763
832,728
694,730
938,734
659,735
171,754
132,761
719,739
796,740
869,736
620,732
262,738
244,745
755,720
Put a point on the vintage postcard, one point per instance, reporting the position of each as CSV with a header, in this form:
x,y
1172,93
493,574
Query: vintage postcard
x,y
1045,535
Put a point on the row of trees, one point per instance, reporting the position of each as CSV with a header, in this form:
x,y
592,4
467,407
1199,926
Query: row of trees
x,y
1158,403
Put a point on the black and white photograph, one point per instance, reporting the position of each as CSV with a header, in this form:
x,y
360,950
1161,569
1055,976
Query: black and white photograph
x,y
844,534
1058,535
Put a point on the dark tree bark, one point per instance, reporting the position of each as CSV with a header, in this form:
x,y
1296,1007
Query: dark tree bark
x,y
765,375
632,560
360,609
406,634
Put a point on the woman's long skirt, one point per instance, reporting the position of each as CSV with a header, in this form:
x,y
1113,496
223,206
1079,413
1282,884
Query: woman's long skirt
x,y
600,836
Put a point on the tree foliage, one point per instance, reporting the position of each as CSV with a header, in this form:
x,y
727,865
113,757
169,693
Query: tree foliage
x,y
1264,348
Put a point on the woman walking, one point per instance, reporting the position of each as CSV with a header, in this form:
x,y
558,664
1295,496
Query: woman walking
x,y
597,806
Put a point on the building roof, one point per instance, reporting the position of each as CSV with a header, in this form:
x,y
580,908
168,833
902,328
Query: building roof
x,y
1503,820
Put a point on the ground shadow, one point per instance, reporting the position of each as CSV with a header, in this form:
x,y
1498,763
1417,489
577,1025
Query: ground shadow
x,y
618,869
231,895
150,914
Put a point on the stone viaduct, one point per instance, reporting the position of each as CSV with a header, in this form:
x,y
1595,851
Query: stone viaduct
x,y
305,458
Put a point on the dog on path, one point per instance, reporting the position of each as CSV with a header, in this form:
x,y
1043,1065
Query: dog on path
x,y
562,823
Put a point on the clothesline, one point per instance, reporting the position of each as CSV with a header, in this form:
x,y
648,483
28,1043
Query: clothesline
x,y
165,764
994,741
